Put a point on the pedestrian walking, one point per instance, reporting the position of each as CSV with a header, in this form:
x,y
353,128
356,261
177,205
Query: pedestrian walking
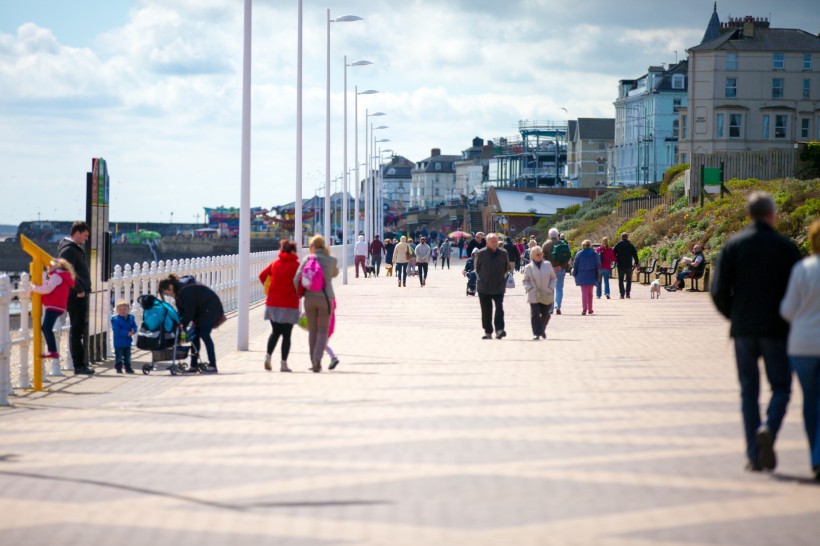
x,y
512,252
319,296
201,307
626,256
434,254
71,250
389,245
444,252
376,252
55,294
360,251
492,264
411,265
587,265
539,283
748,291
282,301
557,251
401,257
478,242
423,252
123,326
801,308
607,254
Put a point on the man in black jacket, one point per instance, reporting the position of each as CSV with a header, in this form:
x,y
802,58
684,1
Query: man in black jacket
x,y
71,249
750,281
478,243
491,267
624,254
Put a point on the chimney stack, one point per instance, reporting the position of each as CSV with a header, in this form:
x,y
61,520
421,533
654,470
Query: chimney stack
x,y
748,27
435,151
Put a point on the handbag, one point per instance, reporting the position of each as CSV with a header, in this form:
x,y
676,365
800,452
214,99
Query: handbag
x,y
510,281
409,254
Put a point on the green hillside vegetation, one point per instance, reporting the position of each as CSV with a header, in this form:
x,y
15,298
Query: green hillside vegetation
x,y
670,231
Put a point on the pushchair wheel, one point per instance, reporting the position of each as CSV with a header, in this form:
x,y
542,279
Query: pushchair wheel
x,y
173,369
146,369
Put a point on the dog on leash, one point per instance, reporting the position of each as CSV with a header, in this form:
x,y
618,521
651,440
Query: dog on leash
x,y
388,270
369,271
655,289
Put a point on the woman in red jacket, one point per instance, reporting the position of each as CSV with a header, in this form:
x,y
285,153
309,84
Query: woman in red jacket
x,y
282,305
55,298
607,254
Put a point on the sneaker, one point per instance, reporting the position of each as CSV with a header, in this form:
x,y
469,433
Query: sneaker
x,y
591,311
210,369
583,312
536,338
193,368
267,363
83,371
119,370
50,355
766,458
670,288
752,467
487,336
607,296
284,366
333,363
622,296
500,334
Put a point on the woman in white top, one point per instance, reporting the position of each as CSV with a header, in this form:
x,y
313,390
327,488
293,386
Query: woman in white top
x,y
801,307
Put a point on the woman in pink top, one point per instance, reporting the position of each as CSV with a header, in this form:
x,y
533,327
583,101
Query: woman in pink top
x,y
607,254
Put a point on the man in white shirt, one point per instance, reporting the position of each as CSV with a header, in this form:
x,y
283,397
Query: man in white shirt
x,y
360,255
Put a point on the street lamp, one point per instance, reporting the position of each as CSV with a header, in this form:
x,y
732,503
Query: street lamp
x,y
344,204
381,192
377,198
343,19
368,210
356,154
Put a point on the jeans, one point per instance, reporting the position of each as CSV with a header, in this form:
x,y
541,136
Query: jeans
x,y
605,275
122,357
807,369
423,268
539,318
377,262
401,272
773,351
49,319
283,330
78,315
202,333
560,273
487,319
447,259
360,261
624,277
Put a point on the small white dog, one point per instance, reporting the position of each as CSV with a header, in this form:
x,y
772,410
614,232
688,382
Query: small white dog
x,y
655,289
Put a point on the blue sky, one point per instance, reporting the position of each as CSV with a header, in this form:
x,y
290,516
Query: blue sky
x,y
154,86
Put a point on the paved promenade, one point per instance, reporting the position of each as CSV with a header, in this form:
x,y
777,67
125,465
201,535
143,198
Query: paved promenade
x,y
622,429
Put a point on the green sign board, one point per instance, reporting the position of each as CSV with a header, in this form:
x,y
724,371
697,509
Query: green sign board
x,y
712,177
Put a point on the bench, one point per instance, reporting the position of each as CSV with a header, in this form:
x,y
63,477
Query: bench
x,y
647,271
695,278
668,272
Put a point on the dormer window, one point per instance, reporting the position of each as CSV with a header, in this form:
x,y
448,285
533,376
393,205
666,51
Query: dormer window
x,y
438,166
678,81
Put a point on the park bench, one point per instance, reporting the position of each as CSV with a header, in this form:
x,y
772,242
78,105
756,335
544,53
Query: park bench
x,y
695,278
668,272
646,271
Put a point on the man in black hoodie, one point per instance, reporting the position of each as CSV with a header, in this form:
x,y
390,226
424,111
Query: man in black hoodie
x,y
71,249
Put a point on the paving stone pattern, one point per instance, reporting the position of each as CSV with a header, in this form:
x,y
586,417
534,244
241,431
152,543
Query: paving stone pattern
x,y
623,428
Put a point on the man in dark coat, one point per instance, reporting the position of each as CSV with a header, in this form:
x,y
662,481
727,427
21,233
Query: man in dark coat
x,y
625,253
751,277
376,251
71,250
478,243
491,266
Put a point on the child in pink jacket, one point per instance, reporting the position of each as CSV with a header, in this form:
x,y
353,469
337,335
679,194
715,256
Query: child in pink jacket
x,y
55,297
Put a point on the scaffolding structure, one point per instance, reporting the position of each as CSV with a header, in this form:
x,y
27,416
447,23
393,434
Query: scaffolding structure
x,y
534,158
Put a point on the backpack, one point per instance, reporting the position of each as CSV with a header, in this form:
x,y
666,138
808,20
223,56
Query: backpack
x,y
313,278
561,252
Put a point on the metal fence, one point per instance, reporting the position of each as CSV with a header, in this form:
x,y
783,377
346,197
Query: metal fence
x,y
629,207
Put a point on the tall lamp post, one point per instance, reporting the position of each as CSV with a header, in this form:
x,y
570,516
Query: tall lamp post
x,y
368,205
367,152
380,231
345,191
356,157
343,19
243,318
377,190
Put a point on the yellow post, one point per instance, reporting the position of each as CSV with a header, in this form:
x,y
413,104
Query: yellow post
x,y
40,259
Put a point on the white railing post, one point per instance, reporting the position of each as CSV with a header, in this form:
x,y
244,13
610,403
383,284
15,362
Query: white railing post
x,y
5,340
24,297
127,293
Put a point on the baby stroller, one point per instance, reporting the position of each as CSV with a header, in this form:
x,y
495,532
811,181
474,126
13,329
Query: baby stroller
x,y
162,335
469,272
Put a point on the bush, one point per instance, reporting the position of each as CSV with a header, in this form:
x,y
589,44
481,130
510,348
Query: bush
x,y
644,255
670,174
633,223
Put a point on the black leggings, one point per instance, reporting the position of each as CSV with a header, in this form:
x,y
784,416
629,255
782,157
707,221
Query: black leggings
x,y
280,329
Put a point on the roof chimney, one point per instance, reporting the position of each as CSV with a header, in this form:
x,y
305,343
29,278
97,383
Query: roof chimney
x,y
478,142
435,151
748,27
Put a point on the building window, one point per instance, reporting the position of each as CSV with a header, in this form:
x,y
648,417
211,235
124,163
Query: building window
x,y
778,61
731,87
777,88
438,166
806,61
683,127
602,168
678,81
735,125
675,128
806,88
805,128
719,126
437,194
780,125
765,126
731,61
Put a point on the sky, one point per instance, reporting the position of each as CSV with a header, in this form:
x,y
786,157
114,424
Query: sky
x,y
154,87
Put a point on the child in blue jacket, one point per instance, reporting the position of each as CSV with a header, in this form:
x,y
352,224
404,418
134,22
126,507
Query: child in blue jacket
x,y
124,327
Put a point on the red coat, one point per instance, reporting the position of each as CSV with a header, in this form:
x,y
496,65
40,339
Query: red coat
x,y
57,298
607,256
282,293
